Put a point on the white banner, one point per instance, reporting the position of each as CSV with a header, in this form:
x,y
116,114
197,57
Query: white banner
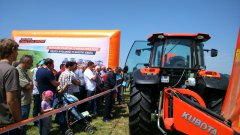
x,y
65,49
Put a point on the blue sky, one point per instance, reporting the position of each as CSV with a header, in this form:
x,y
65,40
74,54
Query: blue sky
x,y
136,19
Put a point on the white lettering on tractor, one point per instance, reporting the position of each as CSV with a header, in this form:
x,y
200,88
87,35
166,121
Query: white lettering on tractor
x,y
197,122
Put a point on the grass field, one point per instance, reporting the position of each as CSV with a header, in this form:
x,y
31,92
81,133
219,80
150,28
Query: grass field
x,y
117,126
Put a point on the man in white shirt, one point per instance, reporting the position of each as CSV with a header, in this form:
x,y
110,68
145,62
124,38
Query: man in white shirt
x,y
90,79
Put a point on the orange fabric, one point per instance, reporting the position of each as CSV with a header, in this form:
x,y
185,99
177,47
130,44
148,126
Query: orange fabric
x,y
65,33
231,106
114,50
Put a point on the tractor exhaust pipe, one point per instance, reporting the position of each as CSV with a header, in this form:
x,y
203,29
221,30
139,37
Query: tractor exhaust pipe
x,y
159,114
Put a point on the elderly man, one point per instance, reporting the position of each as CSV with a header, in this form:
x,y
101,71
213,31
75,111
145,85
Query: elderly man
x,y
26,86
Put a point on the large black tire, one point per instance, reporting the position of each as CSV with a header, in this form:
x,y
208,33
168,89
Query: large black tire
x,y
139,110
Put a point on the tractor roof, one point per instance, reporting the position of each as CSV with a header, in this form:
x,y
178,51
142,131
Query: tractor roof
x,y
199,36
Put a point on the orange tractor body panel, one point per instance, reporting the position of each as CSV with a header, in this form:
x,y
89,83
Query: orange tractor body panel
x,y
192,120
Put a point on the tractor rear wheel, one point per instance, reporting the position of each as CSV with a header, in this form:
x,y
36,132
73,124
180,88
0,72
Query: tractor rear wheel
x,y
139,110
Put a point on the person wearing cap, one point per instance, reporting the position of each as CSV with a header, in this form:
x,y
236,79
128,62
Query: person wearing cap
x,y
46,106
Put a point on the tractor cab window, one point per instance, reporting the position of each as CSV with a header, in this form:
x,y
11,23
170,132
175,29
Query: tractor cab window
x,y
138,56
176,53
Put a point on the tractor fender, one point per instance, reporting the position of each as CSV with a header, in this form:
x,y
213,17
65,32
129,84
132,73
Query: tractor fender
x,y
217,83
139,78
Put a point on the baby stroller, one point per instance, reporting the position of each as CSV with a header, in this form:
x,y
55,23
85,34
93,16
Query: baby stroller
x,y
72,114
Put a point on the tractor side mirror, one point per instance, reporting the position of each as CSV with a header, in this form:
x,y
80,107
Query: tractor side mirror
x,y
214,52
138,52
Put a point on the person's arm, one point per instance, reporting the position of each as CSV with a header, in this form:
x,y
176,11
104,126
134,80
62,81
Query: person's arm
x,y
25,81
35,83
14,105
29,86
47,110
55,83
91,75
76,82
94,77
75,79
51,78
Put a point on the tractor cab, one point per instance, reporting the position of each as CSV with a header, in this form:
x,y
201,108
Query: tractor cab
x,y
169,51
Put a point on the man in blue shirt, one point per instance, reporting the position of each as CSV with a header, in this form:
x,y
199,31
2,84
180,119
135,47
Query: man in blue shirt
x,y
45,78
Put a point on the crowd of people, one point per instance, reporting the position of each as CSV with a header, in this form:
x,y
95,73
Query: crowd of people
x,y
18,88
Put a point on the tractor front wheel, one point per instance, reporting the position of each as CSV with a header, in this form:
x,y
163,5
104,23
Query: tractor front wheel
x,y
139,110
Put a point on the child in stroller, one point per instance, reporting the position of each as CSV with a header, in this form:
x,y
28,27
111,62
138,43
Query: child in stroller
x,y
72,114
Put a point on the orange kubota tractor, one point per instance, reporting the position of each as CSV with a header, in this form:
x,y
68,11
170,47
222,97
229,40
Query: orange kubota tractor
x,y
170,80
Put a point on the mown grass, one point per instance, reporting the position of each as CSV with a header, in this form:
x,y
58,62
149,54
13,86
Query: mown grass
x,y
117,126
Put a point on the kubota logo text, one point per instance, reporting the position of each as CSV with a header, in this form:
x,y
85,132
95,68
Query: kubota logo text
x,y
197,122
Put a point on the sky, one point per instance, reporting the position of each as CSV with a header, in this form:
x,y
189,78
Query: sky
x,y
136,19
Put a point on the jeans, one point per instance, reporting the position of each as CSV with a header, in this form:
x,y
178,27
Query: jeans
x,y
92,104
45,125
36,106
119,94
25,114
83,95
108,105
77,95
25,111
